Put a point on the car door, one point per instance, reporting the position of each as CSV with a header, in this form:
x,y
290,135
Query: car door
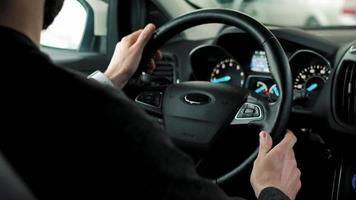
x,y
80,37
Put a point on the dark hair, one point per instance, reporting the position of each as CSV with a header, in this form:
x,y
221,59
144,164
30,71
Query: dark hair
x,y
51,10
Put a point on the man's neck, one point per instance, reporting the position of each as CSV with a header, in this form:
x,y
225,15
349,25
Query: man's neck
x,y
24,16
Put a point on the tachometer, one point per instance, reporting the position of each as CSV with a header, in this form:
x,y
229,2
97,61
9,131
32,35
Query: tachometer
x,y
311,79
228,71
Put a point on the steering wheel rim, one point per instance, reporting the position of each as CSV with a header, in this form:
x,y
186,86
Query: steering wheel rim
x,y
277,59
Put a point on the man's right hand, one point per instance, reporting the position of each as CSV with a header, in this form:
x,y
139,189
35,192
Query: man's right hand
x,y
276,167
127,56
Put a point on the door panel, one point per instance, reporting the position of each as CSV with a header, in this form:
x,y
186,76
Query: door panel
x,y
97,39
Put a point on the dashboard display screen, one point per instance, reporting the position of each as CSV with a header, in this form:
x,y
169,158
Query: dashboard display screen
x,y
259,62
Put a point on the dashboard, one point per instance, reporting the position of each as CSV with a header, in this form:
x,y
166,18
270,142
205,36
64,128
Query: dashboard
x,y
244,64
323,66
324,89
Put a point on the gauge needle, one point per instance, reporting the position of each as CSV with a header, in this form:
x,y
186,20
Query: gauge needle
x,y
276,91
221,80
312,87
261,89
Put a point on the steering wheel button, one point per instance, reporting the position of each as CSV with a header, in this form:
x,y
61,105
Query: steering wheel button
x,y
249,111
257,112
247,115
240,115
150,98
256,115
256,108
250,106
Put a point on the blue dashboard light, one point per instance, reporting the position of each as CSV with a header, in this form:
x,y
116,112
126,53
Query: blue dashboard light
x,y
354,181
312,87
221,80
260,89
276,91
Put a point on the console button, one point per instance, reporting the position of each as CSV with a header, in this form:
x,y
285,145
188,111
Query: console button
x,y
150,98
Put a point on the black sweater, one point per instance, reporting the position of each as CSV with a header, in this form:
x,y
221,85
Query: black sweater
x,y
71,138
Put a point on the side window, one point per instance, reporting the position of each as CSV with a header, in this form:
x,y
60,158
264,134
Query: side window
x,y
80,26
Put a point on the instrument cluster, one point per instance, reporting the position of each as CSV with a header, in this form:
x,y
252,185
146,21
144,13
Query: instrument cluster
x,y
310,72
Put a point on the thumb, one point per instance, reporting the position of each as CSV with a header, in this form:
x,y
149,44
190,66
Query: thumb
x,y
265,143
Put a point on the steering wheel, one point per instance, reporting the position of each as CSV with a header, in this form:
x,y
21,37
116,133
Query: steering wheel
x,y
195,112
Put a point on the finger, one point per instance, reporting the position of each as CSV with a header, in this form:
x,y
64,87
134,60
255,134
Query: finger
x,y
288,142
298,186
132,38
158,56
151,66
287,167
290,155
265,143
294,182
295,176
146,35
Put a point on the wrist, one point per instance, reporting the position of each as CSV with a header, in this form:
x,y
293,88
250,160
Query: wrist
x,y
259,188
119,79
100,77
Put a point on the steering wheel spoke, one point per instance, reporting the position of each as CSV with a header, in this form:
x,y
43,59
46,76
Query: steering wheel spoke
x,y
253,111
256,111
150,101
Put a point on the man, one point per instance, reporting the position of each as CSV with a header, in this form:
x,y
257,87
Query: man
x,y
71,138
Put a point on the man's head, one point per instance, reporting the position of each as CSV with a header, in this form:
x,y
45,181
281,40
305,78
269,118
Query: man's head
x,y
29,16
52,8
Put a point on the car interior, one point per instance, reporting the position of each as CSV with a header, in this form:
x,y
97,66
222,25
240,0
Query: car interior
x,y
224,75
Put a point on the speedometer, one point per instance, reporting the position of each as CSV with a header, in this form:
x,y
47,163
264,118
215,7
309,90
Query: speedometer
x,y
228,71
311,79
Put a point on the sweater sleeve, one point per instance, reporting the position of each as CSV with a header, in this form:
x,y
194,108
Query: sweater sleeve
x,y
272,193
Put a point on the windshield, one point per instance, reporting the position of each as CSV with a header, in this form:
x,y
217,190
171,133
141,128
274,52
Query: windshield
x,y
301,13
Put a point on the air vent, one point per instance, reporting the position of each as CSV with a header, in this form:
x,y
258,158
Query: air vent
x,y
346,93
165,69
